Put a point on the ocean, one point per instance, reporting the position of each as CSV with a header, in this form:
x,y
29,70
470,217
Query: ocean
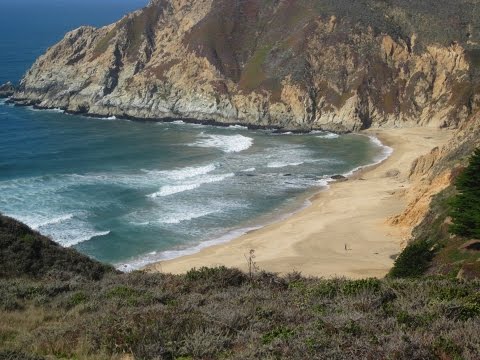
x,y
130,193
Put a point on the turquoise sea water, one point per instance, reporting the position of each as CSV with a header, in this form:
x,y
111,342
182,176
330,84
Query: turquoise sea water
x,y
134,192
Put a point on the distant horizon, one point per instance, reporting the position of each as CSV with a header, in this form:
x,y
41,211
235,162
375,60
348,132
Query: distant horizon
x,y
19,19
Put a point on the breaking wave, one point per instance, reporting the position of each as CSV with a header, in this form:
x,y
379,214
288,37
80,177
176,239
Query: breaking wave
x,y
174,189
226,143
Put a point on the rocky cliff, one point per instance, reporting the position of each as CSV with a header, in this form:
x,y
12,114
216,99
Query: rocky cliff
x,y
296,64
434,172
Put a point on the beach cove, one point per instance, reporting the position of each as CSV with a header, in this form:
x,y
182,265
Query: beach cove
x,y
344,232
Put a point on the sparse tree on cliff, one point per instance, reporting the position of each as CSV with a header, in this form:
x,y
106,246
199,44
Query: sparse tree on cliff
x,y
466,205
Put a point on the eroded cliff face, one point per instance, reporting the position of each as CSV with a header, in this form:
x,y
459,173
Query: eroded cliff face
x,y
333,65
434,172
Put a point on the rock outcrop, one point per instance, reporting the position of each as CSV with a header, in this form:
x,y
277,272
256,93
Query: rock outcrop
x,y
303,64
7,90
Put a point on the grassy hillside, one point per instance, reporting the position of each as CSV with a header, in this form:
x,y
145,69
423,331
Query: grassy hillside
x,y
72,312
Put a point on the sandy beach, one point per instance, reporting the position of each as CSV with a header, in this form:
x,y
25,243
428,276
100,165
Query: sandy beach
x,y
344,232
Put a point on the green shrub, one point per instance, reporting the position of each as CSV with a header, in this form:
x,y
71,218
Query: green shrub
x,y
281,332
326,289
413,261
466,205
218,276
446,348
78,298
354,287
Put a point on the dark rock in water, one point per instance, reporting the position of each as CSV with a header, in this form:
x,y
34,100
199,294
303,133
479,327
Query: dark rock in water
x,y
339,178
287,174
7,90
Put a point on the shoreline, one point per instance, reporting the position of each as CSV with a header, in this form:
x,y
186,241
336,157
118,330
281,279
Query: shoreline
x,y
18,102
348,215
268,219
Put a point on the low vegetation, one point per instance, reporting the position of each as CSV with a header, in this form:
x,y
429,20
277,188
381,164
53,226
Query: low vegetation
x,y
75,312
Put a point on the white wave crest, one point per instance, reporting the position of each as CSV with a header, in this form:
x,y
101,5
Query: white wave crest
x,y
75,237
386,150
186,216
238,127
56,110
226,143
249,169
328,136
385,154
52,221
174,189
188,172
279,164
67,230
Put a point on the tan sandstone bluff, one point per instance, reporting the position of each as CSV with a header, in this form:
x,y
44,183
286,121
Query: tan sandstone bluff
x,y
344,232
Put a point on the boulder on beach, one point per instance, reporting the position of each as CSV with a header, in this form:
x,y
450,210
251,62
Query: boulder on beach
x,y
339,178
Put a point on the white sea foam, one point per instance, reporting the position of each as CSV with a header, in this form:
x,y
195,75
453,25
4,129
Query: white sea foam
x,y
166,255
226,143
280,164
155,256
143,223
238,127
75,237
69,231
174,189
329,136
384,154
52,221
56,110
249,169
66,230
188,172
177,218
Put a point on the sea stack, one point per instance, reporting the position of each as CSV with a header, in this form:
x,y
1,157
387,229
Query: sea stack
x,y
7,90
